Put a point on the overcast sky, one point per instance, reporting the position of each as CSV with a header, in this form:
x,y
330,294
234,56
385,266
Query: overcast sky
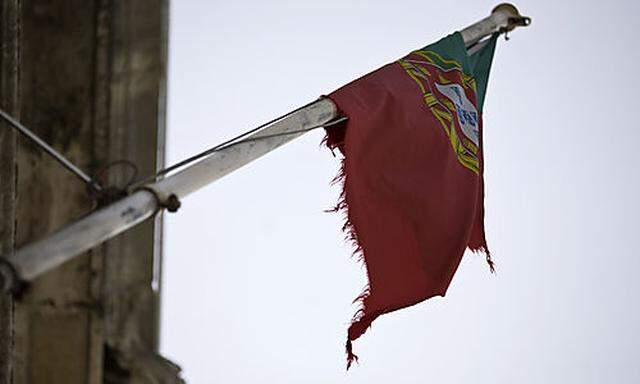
x,y
257,280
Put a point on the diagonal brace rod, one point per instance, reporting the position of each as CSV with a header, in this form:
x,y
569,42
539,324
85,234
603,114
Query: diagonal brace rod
x,y
49,150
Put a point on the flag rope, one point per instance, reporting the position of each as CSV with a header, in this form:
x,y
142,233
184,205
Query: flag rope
x,y
107,194
240,139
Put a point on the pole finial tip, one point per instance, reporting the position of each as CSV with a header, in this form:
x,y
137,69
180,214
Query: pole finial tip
x,y
515,19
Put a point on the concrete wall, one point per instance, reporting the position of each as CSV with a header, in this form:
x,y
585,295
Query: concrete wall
x,y
88,76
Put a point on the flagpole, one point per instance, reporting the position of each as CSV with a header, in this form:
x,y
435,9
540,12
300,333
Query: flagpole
x,y
36,258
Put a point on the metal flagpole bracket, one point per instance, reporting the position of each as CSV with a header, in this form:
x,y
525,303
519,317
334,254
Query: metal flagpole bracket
x,y
171,203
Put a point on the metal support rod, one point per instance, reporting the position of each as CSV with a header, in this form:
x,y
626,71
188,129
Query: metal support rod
x,y
43,255
52,152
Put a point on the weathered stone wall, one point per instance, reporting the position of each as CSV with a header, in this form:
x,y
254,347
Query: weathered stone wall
x,y
88,76
9,102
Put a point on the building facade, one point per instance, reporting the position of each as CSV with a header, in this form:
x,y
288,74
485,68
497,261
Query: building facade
x,y
89,77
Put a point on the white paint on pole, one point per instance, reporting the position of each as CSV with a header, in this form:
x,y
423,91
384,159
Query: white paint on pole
x,y
43,255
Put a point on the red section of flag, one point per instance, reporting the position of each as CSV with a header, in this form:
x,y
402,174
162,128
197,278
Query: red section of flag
x,y
412,205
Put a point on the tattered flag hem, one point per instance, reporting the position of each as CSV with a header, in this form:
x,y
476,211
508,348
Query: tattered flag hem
x,y
412,186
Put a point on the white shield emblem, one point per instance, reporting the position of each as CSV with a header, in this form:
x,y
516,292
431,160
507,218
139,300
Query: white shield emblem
x,y
466,111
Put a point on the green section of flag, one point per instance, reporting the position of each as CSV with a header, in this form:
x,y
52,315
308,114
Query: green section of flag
x,y
452,53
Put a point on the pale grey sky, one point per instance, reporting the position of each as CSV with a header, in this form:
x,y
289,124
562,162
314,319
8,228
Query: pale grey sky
x,y
258,282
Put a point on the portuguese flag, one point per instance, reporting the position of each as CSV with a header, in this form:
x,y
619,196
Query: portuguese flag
x,y
412,173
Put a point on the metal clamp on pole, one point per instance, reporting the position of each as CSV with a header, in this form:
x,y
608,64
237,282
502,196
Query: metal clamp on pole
x,y
171,203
